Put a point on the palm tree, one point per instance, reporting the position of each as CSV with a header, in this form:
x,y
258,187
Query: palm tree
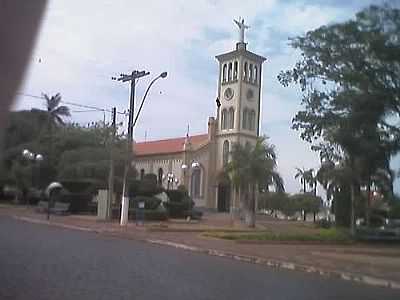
x,y
55,112
302,174
249,167
274,179
307,178
311,180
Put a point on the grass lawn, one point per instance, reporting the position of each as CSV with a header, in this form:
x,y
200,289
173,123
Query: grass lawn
x,y
319,235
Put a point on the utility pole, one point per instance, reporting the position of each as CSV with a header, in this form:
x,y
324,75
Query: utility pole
x,y
111,173
125,198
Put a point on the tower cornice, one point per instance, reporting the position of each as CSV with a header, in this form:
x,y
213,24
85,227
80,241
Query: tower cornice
x,y
243,52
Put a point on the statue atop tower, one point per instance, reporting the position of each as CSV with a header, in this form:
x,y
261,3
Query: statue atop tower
x,y
242,28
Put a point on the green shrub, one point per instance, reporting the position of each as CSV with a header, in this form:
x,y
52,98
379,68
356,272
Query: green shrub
x,y
324,223
394,212
194,214
307,202
177,209
133,187
149,215
150,177
79,202
80,186
176,195
182,188
341,206
272,200
150,203
148,186
34,196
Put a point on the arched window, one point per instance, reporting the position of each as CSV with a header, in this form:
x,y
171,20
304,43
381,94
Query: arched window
x,y
235,70
224,119
252,119
195,183
141,174
230,72
245,71
160,176
251,73
245,119
231,118
255,75
225,152
224,73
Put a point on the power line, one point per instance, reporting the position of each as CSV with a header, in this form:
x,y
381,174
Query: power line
x,y
84,111
93,108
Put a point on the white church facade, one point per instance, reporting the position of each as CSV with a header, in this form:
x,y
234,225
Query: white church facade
x,y
198,161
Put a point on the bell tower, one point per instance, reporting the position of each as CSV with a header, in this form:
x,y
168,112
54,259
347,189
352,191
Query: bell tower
x,y
239,94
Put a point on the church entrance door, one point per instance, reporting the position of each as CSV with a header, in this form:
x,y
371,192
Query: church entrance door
x,y
224,197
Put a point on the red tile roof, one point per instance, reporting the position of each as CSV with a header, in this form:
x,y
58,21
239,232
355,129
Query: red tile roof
x,y
167,146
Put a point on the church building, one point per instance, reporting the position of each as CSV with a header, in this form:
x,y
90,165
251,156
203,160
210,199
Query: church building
x,y
197,161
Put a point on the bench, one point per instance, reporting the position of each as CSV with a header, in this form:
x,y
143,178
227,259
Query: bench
x,y
59,208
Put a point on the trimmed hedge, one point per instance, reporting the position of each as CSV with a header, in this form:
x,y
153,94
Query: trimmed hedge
x,y
179,203
149,215
177,209
34,196
194,214
79,202
176,195
146,187
150,203
80,186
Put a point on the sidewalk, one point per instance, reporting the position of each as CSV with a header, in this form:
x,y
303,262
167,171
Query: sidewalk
x,y
372,264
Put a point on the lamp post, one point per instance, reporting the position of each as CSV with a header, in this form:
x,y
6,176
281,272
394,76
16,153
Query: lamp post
x,y
36,158
131,124
193,165
171,179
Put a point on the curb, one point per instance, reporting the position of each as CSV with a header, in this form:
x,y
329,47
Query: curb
x,y
36,221
366,279
370,280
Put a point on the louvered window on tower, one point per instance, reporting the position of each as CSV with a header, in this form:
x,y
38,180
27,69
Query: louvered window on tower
x,y
225,152
252,120
245,119
231,118
224,73
224,119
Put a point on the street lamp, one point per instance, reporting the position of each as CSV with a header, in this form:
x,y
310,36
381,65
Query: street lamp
x,y
193,165
35,158
171,179
32,156
162,75
132,122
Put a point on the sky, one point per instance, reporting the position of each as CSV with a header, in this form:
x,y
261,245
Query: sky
x,y
82,44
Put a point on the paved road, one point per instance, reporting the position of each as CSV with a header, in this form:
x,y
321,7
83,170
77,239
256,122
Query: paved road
x,y
42,262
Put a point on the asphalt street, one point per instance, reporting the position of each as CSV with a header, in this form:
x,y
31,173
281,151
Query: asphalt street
x,y
44,262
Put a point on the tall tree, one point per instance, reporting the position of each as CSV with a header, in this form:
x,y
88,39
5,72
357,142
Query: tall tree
x,y
311,180
349,75
55,114
301,174
55,111
249,167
